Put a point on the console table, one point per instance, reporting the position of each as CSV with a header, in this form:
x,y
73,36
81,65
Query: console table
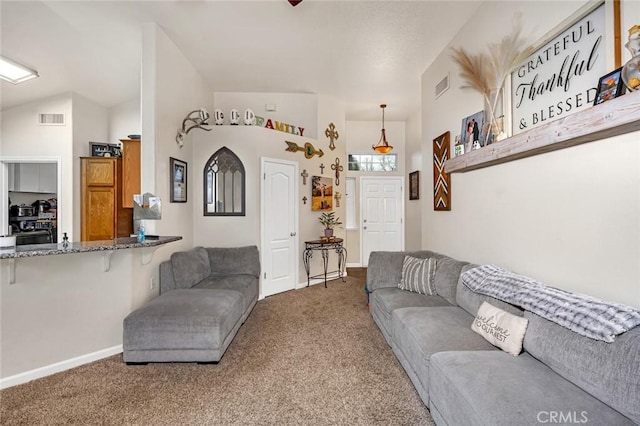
x,y
324,247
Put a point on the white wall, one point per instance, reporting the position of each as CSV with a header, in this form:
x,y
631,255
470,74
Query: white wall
x,y
124,120
361,135
570,218
413,161
298,109
23,137
250,143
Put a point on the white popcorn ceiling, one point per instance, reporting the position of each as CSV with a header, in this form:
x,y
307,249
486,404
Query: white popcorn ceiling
x,y
364,53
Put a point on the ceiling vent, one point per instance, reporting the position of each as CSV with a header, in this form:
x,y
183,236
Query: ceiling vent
x,y
442,86
51,119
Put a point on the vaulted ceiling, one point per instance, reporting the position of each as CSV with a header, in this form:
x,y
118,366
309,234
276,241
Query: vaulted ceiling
x,y
365,53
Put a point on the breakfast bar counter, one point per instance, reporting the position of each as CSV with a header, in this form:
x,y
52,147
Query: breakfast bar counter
x,y
35,250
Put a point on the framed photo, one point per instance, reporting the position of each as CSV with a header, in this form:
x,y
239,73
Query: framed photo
x,y
609,86
178,184
414,185
473,130
103,149
321,193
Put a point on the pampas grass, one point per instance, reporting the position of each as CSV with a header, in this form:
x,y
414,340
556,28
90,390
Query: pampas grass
x,y
486,73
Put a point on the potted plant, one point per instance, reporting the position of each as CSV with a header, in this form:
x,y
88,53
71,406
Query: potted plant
x,y
329,221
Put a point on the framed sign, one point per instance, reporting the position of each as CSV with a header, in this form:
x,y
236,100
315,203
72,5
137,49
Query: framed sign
x,y
560,77
414,185
103,149
178,171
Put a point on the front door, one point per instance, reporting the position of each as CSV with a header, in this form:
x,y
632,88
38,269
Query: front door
x,y
381,215
279,201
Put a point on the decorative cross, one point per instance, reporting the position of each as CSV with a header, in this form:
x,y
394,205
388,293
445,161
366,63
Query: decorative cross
x,y
304,199
322,168
331,133
338,168
304,175
337,198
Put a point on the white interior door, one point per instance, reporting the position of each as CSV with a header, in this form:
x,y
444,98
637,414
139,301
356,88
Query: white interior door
x,y
381,215
279,201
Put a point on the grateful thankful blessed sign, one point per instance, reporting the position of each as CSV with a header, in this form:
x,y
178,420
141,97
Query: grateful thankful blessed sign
x,y
561,77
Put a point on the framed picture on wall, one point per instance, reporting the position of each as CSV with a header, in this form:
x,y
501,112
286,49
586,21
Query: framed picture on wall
x,y
178,184
414,185
321,194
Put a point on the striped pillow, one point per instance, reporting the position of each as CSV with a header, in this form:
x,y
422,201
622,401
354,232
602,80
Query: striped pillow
x,y
418,275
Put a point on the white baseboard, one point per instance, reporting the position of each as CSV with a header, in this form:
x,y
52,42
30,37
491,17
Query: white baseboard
x,y
354,265
48,370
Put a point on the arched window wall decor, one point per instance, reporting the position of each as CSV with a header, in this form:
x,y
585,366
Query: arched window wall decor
x,y
224,184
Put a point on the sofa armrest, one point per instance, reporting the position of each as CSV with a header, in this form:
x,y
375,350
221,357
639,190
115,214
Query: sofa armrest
x,y
234,260
167,281
385,267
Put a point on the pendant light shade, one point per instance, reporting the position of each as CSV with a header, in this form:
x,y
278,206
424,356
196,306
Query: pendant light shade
x,y
383,146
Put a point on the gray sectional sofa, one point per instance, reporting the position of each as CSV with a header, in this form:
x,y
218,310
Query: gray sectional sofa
x,y
206,294
560,377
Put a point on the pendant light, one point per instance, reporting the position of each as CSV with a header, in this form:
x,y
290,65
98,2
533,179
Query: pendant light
x,y
383,146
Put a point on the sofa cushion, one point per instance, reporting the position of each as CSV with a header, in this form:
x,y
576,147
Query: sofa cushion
x,y
385,267
447,275
234,260
500,328
471,301
418,275
421,332
609,371
245,284
494,388
390,299
190,267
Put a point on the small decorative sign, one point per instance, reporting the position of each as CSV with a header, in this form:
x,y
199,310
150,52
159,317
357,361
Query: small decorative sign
x,y
100,149
561,76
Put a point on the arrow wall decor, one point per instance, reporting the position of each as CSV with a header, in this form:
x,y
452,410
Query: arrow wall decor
x,y
441,179
308,149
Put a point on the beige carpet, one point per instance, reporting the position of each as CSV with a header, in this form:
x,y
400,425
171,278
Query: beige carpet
x,y
310,356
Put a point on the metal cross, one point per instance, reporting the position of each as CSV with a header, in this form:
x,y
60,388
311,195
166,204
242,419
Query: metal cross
x,y
304,199
337,198
338,168
304,175
331,133
322,168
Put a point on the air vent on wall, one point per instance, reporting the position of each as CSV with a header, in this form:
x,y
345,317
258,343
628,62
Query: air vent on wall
x,y
442,86
51,119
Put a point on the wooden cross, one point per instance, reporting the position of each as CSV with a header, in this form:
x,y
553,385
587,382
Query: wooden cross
x,y
322,168
338,168
331,133
304,199
304,175
337,198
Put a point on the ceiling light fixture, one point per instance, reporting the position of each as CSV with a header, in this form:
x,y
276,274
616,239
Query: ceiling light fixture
x,y
383,146
15,73
199,118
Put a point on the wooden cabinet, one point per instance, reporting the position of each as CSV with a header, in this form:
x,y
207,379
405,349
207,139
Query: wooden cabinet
x,y
103,215
131,170
33,177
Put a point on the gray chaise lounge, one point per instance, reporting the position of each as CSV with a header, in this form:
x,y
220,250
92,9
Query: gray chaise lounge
x,y
206,294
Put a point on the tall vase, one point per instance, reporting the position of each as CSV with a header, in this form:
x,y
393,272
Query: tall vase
x,y
631,70
493,116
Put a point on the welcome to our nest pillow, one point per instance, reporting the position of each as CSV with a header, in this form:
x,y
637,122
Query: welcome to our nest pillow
x,y
500,328
418,275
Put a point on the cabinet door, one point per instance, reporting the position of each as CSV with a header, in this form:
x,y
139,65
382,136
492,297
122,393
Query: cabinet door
x,y
100,172
49,178
11,178
28,177
130,171
99,213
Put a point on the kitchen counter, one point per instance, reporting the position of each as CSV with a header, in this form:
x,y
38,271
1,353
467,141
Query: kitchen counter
x,y
35,250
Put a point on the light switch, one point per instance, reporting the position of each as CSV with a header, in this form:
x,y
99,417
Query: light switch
x,y
270,107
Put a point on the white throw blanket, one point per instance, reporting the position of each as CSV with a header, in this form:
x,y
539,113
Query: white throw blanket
x,y
583,314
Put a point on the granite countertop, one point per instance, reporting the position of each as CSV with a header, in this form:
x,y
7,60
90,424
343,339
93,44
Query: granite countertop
x,y
35,250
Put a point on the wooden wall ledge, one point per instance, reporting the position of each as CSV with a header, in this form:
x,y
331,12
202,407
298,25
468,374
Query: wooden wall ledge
x,y
615,117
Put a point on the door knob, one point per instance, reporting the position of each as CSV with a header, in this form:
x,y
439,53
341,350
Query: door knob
x,y
293,234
